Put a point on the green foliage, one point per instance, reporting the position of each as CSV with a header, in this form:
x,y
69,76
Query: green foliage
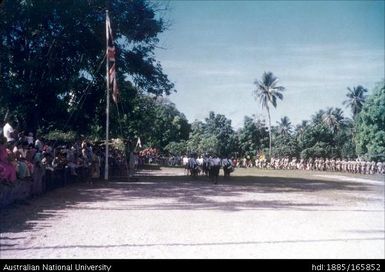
x,y
197,134
348,149
219,127
355,99
267,90
333,119
252,137
155,120
320,149
313,134
169,124
176,148
284,126
50,52
61,136
215,135
328,135
210,144
285,146
370,125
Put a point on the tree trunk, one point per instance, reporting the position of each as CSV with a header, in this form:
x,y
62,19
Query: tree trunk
x,y
268,116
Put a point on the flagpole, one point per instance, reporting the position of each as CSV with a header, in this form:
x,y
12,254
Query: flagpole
x,y
108,103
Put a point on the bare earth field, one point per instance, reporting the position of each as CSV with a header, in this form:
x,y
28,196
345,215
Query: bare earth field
x,y
164,214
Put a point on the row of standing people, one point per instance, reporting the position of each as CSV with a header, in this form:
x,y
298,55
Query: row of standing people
x,y
208,165
317,164
24,155
320,164
20,160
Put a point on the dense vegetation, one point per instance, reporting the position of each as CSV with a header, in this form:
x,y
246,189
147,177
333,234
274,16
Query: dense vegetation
x,y
52,81
52,55
329,133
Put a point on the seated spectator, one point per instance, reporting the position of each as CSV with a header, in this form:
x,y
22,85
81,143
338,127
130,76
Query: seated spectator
x,y
47,161
60,160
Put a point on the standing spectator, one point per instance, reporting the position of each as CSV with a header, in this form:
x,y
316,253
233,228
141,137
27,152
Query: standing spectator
x,y
29,138
22,169
8,133
72,162
7,170
38,144
95,166
38,173
131,164
87,161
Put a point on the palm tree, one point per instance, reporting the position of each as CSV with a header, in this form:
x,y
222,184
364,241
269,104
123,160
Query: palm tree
x,y
267,92
356,99
317,117
284,126
301,127
333,118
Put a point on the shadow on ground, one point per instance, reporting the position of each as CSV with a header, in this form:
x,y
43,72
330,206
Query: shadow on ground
x,y
182,193
112,246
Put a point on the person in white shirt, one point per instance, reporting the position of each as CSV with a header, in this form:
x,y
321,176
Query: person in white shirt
x,y
214,167
29,138
8,132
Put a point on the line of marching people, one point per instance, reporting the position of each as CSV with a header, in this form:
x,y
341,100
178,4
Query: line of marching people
x,y
324,164
208,165
201,165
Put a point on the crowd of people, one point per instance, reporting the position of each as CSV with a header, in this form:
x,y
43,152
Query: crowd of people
x,y
47,162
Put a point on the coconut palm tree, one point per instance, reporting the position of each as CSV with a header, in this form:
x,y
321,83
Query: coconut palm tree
x,y
333,118
284,126
267,93
300,128
356,99
317,117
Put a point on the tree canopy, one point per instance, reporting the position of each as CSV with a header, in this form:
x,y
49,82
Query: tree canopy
x,y
355,99
252,137
51,56
214,135
370,125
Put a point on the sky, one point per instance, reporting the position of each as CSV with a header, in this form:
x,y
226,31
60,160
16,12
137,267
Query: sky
x,y
214,51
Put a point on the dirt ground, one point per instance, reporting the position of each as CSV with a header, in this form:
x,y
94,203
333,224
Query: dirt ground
x,y
165,214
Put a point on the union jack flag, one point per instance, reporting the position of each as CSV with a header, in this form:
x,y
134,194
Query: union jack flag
x,y
111,52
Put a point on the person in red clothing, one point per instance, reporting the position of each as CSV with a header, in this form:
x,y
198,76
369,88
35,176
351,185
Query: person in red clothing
x,y
7,170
